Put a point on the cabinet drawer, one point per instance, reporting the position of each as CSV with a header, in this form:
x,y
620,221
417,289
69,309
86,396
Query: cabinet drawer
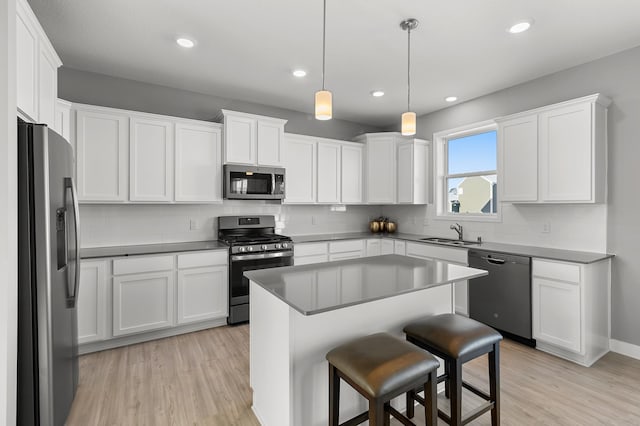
x,y
345,246
308,260
208,258
433,251
310,249
136,265
345,255
569,272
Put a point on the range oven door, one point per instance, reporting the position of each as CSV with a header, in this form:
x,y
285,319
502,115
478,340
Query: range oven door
x,y
239,284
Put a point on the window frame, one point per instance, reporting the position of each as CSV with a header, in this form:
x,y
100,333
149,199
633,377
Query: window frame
x,y
441,168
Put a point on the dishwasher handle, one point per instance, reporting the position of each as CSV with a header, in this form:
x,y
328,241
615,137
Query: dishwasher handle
x,y
493,260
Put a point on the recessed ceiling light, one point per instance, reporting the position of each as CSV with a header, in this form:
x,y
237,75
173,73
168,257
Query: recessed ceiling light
x,y
299,73
377,93
520,27
451,98
185,42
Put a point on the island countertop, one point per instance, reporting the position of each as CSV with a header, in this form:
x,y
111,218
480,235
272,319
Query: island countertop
x,y
322,287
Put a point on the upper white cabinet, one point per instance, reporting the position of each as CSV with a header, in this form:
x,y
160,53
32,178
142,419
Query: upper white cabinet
x,y
555,154
570,308
125,156
150,159
329,172
322,171
396,169
351,173
253,139
198,163
36,68
300,165
102,143
63,119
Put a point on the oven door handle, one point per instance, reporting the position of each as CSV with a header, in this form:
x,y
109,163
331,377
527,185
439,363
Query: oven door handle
x,y
261,255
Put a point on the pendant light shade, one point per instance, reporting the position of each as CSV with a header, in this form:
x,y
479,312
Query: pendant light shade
x,y
324,99
408,118
324,109
408,124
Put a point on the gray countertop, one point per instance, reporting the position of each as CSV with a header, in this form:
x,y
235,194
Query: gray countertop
x,y
116,251
522,250
312,289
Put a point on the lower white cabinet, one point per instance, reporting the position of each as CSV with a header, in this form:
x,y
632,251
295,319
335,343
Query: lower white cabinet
x,y
387,246
570,312
132,299
373,247
348,249
92,301
143,302
400,247
202,287
309,253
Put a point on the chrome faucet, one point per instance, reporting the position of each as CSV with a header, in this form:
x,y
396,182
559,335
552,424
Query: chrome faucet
x,y
458,228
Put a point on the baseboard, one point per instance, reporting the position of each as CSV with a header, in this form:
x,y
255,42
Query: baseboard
x,y
624,348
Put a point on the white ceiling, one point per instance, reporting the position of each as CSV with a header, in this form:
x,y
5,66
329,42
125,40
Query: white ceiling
x,y
246,49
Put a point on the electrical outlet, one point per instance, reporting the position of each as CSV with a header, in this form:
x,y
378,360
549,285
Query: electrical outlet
x,y
546,227
193,224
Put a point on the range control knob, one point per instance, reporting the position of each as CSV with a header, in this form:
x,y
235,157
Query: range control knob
x,y
277,246
249,248
241,249
285,245
264,247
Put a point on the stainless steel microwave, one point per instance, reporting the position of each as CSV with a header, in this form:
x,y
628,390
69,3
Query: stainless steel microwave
x,y
253,183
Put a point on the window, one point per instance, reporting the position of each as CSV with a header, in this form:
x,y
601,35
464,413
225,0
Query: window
x,y
467,177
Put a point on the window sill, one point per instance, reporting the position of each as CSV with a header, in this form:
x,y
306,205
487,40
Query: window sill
x,y
469,218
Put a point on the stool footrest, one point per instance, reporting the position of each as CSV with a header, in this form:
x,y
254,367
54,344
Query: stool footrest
x,y
477,391
477,412
360,418
399,416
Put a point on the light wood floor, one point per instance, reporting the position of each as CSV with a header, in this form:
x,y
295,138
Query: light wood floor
x,y
203,379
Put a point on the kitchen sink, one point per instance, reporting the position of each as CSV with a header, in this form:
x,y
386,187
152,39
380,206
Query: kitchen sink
x,y
449,241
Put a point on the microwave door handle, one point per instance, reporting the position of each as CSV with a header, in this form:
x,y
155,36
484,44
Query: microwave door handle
x,y
273,184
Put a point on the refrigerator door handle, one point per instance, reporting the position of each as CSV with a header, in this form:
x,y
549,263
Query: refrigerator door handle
x,y
69,184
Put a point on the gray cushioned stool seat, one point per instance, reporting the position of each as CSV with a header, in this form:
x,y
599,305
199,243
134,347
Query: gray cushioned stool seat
x,y
381,363
453,335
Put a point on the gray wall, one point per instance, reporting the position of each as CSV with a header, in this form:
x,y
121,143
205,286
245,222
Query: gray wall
x,y
99,89
617,77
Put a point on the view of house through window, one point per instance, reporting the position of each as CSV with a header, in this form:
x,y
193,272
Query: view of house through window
x,y
470,176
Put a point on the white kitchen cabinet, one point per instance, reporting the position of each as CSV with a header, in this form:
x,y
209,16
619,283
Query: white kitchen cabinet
x,y
449,254
396,169
63,120
518,158
380,167
400,247
102,144
300,165
347,249
373,247
351,173
92,301
570,309
413,172
36,68
253,139
143,296
198,162
329,171
202,286
309,253
387,246
555,154
150,159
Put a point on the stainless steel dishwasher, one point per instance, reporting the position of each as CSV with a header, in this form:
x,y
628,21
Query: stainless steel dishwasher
x,y
502,299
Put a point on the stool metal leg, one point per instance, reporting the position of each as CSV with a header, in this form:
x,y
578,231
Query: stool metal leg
x,y
455,399
430,395
447,385
334,396
494,383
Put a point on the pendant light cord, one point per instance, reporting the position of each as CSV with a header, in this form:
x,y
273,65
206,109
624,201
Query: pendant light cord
x,y
324,37
409,68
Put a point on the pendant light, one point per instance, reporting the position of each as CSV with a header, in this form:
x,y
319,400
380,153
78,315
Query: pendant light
x,y
409,118
324,108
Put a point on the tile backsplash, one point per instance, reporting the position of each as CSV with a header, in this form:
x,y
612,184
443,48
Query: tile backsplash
x,y
112,225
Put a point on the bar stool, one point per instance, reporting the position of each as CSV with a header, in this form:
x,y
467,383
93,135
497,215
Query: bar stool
x,y
381,367
458,339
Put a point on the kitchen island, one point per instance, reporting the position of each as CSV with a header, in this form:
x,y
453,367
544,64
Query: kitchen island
x,y
299,313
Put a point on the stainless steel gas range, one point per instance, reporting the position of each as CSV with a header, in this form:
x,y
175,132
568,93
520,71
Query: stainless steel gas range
x,y
253,245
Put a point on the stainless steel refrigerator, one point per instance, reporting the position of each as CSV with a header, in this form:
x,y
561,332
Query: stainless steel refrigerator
x,y
48,276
